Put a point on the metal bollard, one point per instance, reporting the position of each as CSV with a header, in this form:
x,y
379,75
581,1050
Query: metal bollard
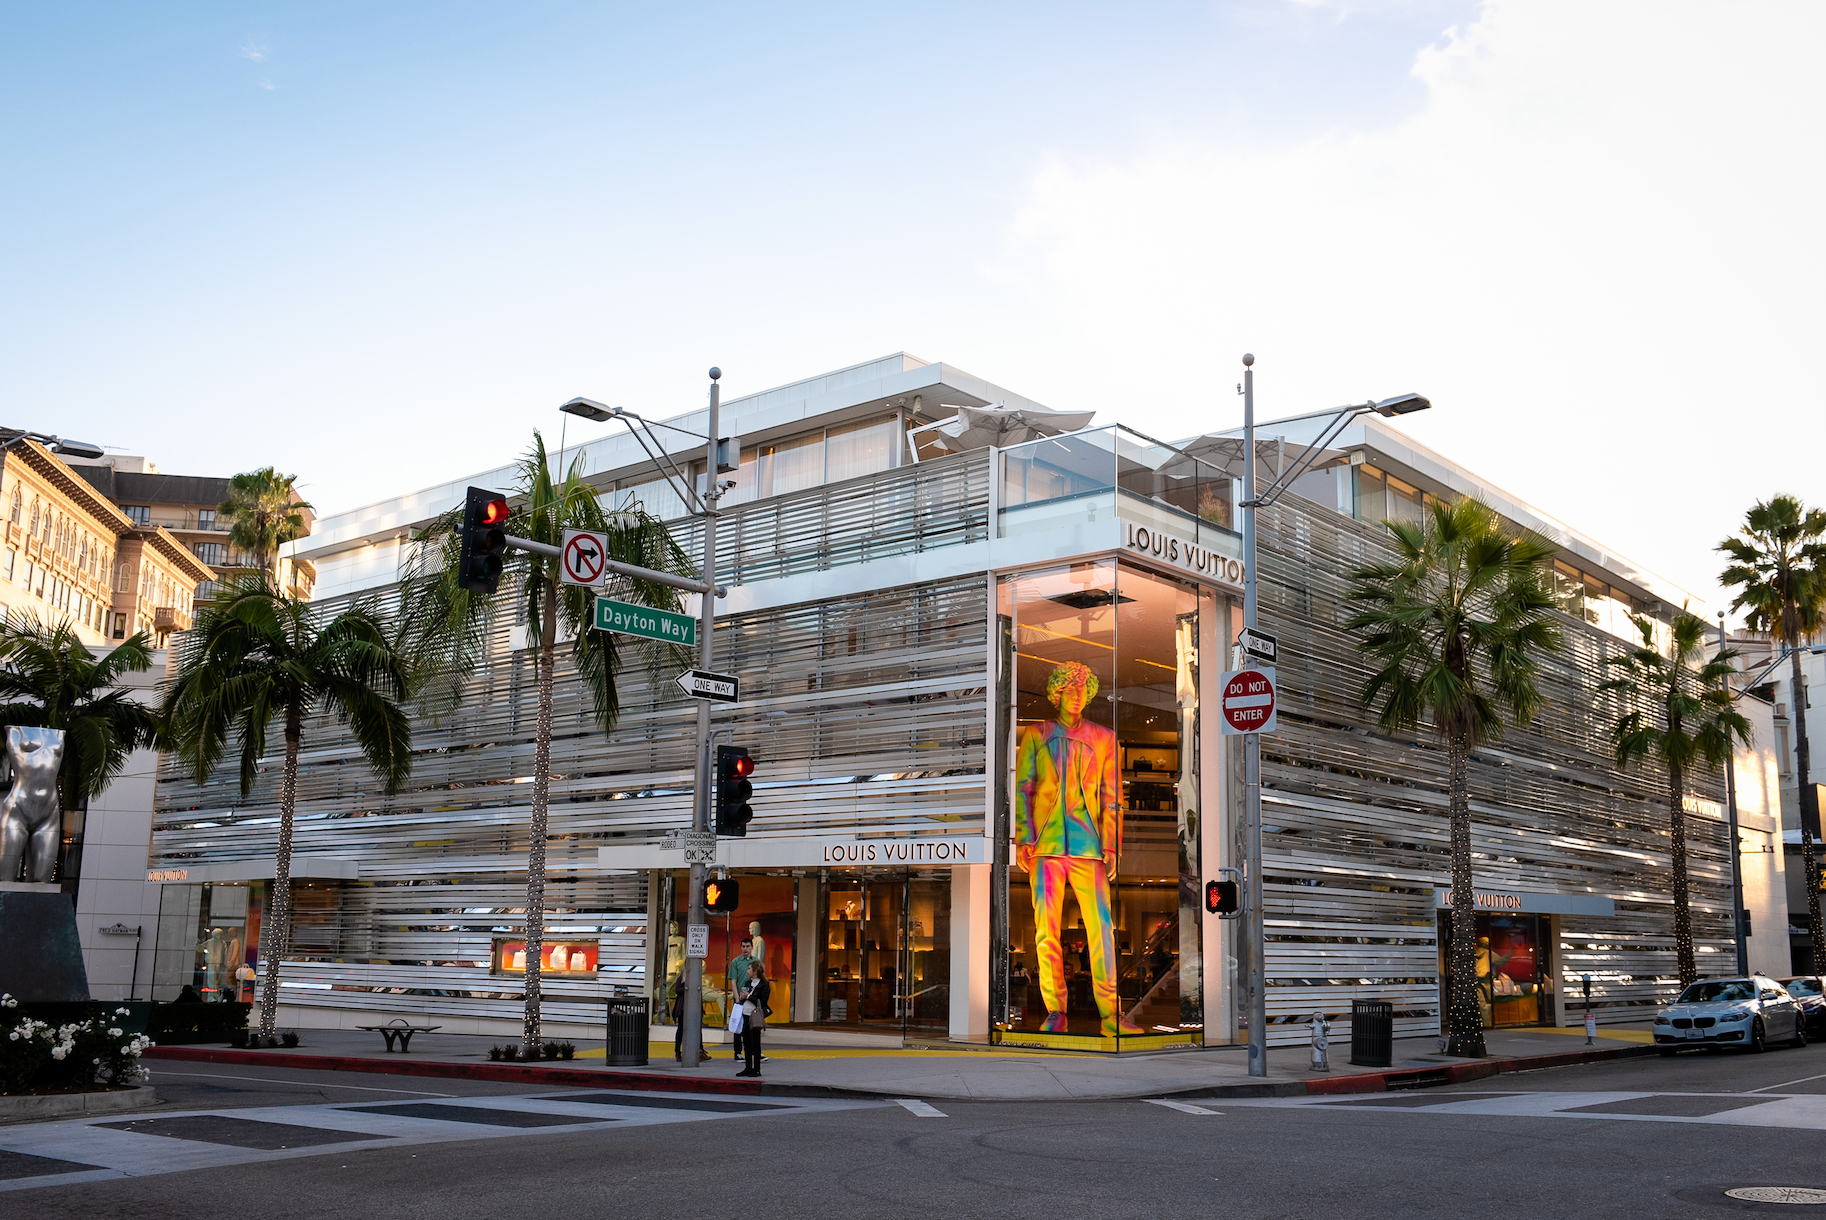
x,y
1321,1043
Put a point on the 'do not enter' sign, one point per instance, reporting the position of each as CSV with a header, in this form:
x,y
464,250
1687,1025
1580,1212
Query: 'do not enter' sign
x,y
1247,702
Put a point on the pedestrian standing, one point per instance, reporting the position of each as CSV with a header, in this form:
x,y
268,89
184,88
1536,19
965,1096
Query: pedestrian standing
x,y
754,1017
738,983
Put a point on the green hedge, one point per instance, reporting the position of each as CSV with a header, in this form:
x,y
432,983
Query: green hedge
x,y
172,1024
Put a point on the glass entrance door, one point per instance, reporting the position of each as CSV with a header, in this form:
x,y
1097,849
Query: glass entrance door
x,y
886,952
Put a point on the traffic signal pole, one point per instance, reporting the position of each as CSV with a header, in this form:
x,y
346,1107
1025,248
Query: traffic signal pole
x,y
700,809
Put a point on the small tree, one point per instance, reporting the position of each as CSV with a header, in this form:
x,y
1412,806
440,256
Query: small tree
x,y
264,513
1457,624
444,630
51,680
1779,568
256,656
1685,718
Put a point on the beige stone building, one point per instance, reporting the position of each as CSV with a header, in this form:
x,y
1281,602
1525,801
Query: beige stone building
x,y
70,555
188,508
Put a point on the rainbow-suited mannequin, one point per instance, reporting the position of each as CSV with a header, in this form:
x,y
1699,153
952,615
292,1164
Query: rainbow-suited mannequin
x,y
1068,832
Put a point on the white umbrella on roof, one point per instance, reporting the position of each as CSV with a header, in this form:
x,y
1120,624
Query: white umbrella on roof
x,y
979,427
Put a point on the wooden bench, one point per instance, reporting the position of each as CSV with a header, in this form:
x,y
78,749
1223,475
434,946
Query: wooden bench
x,y
401,1029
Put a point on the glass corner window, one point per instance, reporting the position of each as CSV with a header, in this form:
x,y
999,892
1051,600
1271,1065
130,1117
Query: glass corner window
x,y
1099,474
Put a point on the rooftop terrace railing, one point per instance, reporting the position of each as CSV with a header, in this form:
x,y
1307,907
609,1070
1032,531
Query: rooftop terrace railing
x,y
903,511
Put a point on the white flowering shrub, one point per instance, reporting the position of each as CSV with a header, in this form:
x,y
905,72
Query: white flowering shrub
x,y
35,1055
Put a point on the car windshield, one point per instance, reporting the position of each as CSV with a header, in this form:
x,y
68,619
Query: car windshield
x,y
1803,987
1717,989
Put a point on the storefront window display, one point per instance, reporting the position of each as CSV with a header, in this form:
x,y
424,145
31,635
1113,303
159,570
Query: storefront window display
x,y
765,914
208,939
1103,796
1514,968
885,952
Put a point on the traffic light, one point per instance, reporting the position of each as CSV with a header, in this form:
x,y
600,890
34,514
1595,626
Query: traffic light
x,y
733,767
1222,897
722,895
484,541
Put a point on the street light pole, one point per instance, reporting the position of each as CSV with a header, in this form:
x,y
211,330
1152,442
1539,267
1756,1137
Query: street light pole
x,y
1334,424
1737,846
1252,764
700,801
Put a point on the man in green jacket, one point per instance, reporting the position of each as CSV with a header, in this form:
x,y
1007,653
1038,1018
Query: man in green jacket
x,y
738,983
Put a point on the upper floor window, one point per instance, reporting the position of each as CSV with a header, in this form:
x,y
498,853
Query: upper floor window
x,y
37,511
139,514
18,504
206,518
215,554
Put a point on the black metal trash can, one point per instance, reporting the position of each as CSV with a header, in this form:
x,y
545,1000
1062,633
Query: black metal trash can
x,y
1372,1033
628,1031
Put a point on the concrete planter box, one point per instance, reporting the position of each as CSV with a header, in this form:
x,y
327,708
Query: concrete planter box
x,y
24,1109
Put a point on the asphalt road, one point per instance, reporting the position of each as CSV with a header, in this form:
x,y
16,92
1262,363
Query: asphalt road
x,y
1663,1139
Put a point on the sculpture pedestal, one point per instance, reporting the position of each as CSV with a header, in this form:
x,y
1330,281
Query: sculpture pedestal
x,y
40,955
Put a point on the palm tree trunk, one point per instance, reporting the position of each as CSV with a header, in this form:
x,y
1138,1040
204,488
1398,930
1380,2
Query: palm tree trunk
x,y
276,933
1683,909
1810,802
535,853
1465,1014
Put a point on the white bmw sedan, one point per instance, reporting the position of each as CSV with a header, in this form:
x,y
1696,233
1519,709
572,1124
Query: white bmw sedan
x,y
1744,1012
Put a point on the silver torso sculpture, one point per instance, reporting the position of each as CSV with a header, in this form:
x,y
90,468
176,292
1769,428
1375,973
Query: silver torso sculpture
x,y
31,816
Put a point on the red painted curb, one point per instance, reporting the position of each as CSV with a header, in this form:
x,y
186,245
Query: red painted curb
x,y
1457,1073
508,1073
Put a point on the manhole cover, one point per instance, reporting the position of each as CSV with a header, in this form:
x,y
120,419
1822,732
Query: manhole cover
x,y
1777,1194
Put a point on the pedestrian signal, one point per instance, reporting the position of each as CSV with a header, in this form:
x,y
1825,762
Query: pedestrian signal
x,y
733,767
1223,897
484,547
722,895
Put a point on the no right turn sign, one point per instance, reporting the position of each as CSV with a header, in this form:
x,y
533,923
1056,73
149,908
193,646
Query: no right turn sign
x,y
1247,703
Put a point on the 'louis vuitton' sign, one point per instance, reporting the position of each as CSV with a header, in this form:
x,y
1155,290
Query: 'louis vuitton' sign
x,y
1188,555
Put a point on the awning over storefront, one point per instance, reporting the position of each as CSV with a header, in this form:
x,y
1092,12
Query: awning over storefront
x,y
809,852
1497,902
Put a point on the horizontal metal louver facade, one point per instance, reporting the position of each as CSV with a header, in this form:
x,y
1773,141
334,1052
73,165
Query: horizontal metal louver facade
x,y
866,714
1356,836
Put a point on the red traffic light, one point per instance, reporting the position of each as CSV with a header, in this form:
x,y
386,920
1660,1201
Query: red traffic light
x,y
495,512
742,767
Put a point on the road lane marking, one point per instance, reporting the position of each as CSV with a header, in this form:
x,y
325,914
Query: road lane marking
x,y
1784,1084
915,1106
1182,1107
306,1083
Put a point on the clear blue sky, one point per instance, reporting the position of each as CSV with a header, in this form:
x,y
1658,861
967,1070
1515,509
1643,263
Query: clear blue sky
x,y
376,244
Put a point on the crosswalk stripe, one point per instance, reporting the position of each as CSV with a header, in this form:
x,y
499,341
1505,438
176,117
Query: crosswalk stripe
x,y
915,1106
1181,1106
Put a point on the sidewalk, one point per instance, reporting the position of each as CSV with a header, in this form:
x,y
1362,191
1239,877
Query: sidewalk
x,y
981,1073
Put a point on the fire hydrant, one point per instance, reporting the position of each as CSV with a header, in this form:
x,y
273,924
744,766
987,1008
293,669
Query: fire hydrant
x,y
1321,1043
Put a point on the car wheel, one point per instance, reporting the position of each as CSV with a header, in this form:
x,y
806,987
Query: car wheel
x,y
1800,1033
1759,1040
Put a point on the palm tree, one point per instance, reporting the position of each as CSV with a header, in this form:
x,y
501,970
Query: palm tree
x,y
51,680
1779,564
1693,723
444,625
255,656
1457,623
265,513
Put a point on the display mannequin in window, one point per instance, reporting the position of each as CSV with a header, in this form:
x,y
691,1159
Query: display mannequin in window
x,y
1068,833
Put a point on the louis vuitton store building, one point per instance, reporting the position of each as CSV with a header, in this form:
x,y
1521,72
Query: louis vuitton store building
x,y
977,680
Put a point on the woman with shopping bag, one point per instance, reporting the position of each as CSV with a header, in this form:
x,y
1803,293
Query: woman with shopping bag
x,y
754,1012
